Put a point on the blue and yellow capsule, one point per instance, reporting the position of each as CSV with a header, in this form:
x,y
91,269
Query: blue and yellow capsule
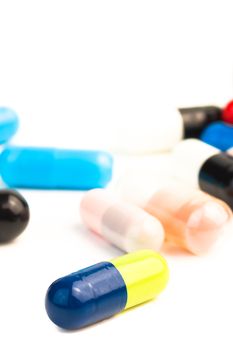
x,y
52,168
9,123
105,289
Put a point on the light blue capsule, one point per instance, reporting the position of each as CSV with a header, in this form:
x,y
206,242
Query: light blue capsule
x,y
219,135
9,123
50,168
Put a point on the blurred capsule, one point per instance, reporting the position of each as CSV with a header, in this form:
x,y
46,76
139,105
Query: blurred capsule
x,y
50,168
105,289
201,165
124,225
219,135
14,215
227,114
9,123
197,118
192,219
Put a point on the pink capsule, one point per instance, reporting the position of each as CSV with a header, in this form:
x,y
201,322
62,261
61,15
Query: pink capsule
x,y
124,225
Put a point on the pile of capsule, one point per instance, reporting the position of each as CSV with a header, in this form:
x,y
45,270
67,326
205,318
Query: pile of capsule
x,y
190,210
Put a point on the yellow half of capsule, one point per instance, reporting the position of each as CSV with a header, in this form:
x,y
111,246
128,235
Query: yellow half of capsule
x,y
145,274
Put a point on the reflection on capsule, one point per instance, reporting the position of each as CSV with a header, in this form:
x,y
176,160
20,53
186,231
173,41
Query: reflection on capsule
x,y
9,123
124,225
104,289
49,168
219,135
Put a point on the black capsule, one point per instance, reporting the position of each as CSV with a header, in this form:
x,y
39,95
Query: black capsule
x,y
14,215
197,118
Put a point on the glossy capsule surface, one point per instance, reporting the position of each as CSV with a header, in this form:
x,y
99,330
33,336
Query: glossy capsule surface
x,y
105,289
9,123
14,215
50,168
219,135
122,224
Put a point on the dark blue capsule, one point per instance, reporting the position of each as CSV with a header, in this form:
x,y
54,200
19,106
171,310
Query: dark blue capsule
x,y
87,296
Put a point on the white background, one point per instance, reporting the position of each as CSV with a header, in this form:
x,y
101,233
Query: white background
x,y
68,66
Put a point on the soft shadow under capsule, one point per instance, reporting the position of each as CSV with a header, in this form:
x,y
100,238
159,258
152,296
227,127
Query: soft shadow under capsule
x,y
14,215
105,289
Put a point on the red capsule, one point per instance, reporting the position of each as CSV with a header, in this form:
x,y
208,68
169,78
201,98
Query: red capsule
x,y
227,114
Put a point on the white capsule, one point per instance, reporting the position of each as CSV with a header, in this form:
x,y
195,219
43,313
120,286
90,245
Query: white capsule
x,y
124,225
188,158
158,129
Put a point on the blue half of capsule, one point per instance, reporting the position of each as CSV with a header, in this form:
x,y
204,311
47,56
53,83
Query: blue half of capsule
x,y
219,135
87,296
50,168
9,123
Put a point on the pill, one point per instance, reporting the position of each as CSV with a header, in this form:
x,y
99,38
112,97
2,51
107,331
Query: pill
x,y
205,166
197,118
158,129
227,114
219,135
124,225
105,289
14,215
50,168
192,219
9,123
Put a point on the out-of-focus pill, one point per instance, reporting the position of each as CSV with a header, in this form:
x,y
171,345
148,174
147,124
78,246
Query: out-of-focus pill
x,y
9,123
105,289
14,215
124,225
204,166
192,219
49,168
158,131
227,114
197,118
219,135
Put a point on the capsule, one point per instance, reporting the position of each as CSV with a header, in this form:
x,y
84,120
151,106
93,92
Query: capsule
x,y
204,166
14,215
219,135
227,114
105,289
9,123
158,129
197,118
124,225
192,219
50,168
